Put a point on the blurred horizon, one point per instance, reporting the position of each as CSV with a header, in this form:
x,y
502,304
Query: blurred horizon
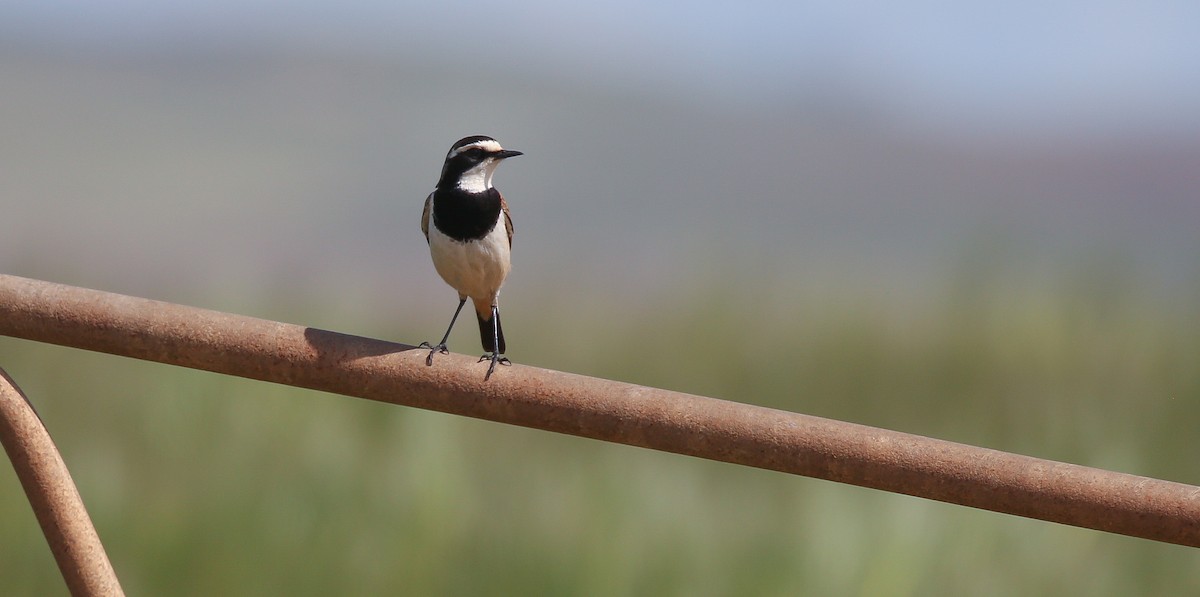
x,y
317,162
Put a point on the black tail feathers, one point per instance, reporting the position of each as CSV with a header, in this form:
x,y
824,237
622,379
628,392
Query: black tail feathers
x,y
485,334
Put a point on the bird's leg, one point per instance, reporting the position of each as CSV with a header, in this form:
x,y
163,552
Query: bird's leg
x,y
495,354
441,346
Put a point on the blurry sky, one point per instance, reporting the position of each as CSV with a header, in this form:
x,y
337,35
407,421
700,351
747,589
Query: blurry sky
x,y
294,141
993,65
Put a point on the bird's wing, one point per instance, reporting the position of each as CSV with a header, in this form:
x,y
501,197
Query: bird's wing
x,y
508,227
425,218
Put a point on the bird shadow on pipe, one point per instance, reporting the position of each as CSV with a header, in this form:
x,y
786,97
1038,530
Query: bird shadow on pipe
x,y
337,347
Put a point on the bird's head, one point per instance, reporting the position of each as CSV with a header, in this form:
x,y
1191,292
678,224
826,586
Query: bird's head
x,y
471,162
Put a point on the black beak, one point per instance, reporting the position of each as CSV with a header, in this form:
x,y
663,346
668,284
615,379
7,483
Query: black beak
x,y
506,153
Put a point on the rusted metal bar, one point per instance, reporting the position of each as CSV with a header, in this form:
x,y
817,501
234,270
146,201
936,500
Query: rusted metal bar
x,y
56,502
602,409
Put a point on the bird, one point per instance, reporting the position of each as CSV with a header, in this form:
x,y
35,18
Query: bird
x,y
469,231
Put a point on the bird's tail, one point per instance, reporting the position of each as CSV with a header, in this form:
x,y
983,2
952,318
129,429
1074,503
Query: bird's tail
x,y
485,332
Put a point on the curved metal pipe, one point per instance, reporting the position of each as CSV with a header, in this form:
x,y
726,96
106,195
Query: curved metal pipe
x,y
55,500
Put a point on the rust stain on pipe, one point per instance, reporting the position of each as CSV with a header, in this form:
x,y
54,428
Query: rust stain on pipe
x,y
602,409
55,500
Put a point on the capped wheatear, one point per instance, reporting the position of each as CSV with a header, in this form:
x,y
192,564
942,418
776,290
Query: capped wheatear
x,y
469,232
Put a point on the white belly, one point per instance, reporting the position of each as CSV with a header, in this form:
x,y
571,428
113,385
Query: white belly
x,y
473,268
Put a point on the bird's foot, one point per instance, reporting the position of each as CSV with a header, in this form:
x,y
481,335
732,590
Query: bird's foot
x,y
495,358
432,349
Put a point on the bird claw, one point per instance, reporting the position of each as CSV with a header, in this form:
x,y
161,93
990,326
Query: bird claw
x,y
495,358
432,349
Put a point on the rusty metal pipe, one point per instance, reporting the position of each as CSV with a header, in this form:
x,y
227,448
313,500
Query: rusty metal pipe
x,y
55,500
602,409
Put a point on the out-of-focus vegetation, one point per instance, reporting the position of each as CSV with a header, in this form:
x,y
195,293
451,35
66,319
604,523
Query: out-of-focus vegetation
x,y
201,484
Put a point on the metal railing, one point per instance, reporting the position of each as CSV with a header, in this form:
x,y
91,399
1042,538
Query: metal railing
x,y
601,409
55,500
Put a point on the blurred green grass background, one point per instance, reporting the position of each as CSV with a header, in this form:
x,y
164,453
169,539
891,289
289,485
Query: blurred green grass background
x,y
201,484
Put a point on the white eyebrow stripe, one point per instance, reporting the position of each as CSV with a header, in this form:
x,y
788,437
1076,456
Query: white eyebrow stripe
x,y
488,145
